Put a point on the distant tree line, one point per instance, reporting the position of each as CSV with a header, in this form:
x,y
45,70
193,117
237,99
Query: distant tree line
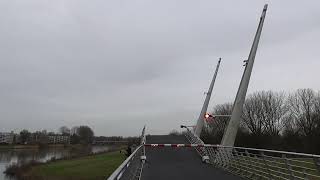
x,y
272,120
76,135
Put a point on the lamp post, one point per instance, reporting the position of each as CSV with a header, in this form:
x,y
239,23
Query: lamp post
x,y
183,126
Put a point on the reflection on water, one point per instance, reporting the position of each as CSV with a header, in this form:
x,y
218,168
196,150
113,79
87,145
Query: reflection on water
x,y
10,156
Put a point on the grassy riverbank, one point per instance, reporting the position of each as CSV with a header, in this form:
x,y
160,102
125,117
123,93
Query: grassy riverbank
x,y
85,168
35,146
19,146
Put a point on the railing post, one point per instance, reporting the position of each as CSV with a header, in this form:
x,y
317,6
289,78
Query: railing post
x,y
289,168
266,164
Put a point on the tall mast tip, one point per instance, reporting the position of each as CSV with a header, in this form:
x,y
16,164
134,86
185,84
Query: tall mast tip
x,y
265,7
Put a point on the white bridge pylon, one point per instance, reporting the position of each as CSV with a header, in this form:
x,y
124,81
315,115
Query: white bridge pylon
x,y
203,112
233,125
237,110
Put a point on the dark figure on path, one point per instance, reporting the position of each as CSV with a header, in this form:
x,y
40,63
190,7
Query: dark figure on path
x,y
128,153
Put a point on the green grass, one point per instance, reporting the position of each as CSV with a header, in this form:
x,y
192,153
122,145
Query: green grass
x,y
84,168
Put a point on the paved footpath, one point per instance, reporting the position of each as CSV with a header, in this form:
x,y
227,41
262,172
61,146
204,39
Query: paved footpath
x,y
164,163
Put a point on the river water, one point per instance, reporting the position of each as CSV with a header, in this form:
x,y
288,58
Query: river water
x,y
10,156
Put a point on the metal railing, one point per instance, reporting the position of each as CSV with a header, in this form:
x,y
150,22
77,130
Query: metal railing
x,y
194,139
254,163
131,168
142,154
265,164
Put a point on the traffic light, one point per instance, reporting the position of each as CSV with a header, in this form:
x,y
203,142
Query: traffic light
x,y
207,116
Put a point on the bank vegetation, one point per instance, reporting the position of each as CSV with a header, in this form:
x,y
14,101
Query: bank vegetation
x,y
272,120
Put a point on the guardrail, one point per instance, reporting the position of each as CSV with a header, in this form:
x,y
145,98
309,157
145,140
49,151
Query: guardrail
x,y
143,157
265,164
132,167
128,169
143,135
255,163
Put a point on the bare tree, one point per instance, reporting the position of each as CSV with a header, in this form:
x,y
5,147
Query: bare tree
x,y
276,110
317,111
253,117
265,113
25,136
304,106
64,130
86,134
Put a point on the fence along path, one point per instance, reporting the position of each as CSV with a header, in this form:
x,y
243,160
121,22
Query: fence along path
x,y
255,163
131,168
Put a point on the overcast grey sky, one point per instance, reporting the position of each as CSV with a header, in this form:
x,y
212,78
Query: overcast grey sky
x,y
117,65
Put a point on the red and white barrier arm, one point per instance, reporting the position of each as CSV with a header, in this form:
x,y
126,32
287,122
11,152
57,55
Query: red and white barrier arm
x,y
179,145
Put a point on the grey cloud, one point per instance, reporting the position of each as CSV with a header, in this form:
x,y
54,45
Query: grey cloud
x,y
117,65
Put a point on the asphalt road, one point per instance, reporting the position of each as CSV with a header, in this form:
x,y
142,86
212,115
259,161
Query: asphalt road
x,y
177,163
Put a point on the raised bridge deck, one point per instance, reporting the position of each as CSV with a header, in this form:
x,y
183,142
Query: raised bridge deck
x,y
177,163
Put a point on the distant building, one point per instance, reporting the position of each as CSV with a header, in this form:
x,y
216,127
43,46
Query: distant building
x,y
6,137
59,139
